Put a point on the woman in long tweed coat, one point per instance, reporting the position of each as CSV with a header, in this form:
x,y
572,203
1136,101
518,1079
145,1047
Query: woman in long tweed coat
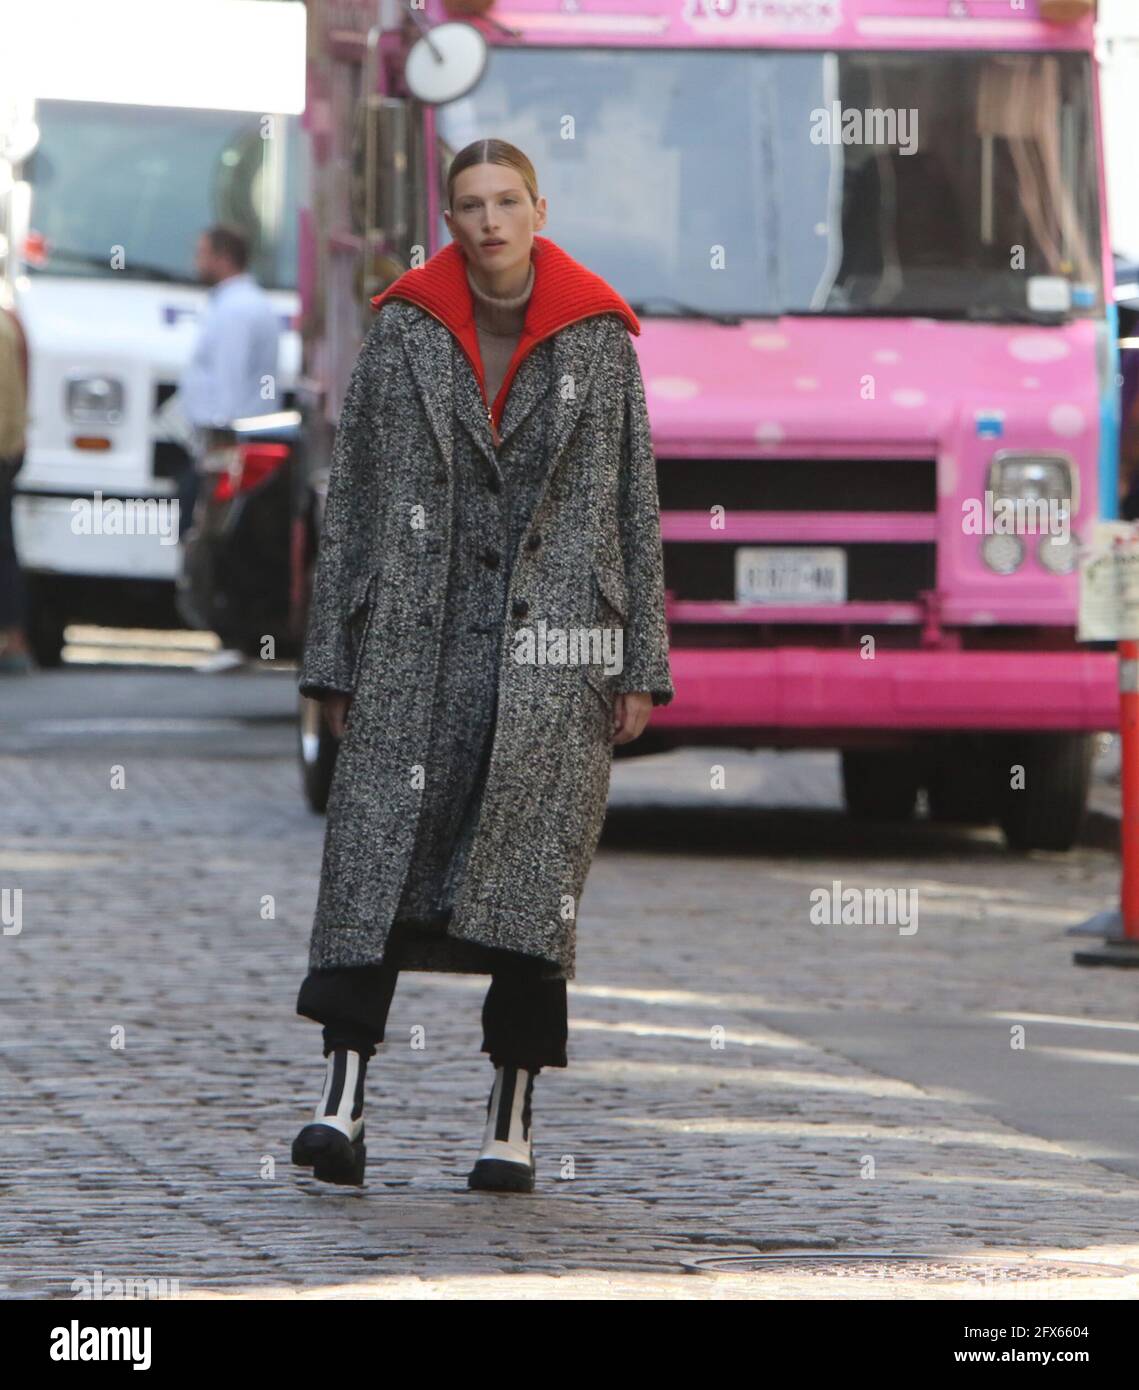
x,y
487,622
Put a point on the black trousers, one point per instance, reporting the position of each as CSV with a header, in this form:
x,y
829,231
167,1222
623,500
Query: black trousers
x,y
524,1018
13,606
188,483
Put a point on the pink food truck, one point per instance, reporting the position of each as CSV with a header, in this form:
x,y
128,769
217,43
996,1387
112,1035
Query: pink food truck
x,y
866,244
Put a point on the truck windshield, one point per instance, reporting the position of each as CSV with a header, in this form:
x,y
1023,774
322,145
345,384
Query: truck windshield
x,y
149,179
760,183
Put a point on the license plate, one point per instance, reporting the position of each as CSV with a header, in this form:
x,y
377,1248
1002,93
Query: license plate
x,y
766,574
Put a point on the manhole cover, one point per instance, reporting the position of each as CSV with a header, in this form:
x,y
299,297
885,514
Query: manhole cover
x,y
932,1269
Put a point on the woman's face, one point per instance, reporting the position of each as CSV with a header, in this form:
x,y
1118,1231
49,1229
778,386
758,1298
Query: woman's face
x,y
493,219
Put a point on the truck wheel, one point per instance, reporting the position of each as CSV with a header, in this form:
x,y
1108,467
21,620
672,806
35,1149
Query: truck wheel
x,y
879,784
961,785
1049,812
46,624
317,747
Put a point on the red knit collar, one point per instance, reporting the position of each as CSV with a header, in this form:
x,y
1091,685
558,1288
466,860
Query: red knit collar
x,y
564,291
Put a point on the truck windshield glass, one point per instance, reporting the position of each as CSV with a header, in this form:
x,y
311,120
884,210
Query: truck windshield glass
x,y
149,179
956,184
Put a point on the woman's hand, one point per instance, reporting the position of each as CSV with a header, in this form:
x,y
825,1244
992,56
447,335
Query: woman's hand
x,y
336,711
630,715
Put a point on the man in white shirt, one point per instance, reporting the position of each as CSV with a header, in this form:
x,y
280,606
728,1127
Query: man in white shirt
x,y
232,373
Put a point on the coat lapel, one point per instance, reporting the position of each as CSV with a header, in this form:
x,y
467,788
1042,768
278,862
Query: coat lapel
x,y
449,390
427,343
532,381
468,404
577,349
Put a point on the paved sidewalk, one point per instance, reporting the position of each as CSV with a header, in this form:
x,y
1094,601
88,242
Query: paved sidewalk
x,y
700,1117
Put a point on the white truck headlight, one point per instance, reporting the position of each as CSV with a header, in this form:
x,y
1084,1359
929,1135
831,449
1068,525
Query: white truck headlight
x,y
1059,553
1002,553
1033,477
94,400
1042,487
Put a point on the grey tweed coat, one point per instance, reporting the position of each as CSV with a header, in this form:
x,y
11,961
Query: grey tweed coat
x,y
471,786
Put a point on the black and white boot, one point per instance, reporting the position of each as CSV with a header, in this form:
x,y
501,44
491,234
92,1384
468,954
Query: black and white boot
x,y
506,1163
333,1145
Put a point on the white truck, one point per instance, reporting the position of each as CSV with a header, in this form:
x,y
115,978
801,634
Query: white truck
x,y
151,127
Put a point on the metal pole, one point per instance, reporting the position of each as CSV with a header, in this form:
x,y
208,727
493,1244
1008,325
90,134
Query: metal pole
x,y
1129,740
1120,930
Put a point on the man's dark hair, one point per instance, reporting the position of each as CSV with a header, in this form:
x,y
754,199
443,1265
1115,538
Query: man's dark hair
x,y
230,242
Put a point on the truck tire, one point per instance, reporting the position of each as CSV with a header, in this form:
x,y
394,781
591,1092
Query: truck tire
x,y
1049,812
46,624
317,748
961,783
879,784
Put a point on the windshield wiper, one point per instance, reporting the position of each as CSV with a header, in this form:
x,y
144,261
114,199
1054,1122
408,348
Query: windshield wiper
x,y
682,310
134,269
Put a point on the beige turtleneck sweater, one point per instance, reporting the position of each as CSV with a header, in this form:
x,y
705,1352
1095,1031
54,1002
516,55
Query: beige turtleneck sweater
x,y
498,321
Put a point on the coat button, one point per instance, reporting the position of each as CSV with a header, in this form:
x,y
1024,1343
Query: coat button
x,y
440,477
493,483
520,608
425,619
534,542
491,558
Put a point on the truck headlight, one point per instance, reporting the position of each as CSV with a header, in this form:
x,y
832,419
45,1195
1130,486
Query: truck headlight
x,y
1033,477
95,400
1058,553
1002,553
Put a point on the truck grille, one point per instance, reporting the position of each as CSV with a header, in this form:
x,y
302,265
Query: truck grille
x,y
798,485
875,571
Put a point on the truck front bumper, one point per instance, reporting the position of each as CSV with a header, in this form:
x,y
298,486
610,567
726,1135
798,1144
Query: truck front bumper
x,y
806,688
54,536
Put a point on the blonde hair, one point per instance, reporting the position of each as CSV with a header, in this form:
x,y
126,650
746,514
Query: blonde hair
x,y
492,152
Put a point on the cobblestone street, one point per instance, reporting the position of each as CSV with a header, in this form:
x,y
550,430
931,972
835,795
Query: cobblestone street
x,y
741,1081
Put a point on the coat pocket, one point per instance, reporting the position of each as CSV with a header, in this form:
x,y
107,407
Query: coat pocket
x,y
358,621
611,586
610,612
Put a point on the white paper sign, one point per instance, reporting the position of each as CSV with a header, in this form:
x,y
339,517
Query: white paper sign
x,y
1109,584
